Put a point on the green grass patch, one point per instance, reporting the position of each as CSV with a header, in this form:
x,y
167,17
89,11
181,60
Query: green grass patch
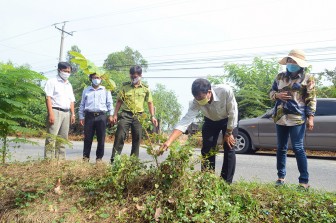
x,y
130,191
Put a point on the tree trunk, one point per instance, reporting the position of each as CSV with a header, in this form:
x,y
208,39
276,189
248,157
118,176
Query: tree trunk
x,y
4,150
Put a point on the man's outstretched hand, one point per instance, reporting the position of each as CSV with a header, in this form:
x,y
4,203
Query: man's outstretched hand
x,y
164,146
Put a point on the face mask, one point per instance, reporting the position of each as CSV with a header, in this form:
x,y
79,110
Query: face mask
x,y
64,75
293,68
96,82
203,101
136,80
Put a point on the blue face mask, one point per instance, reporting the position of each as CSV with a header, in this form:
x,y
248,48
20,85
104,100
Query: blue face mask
x,y
293,67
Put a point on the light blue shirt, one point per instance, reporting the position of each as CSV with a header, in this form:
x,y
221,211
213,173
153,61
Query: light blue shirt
x,y
95,100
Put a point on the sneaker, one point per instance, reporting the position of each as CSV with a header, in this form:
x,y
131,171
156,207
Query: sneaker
x,y
85,159
279,183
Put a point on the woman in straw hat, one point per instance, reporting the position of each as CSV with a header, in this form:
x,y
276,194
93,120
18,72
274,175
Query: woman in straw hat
x,y
295,103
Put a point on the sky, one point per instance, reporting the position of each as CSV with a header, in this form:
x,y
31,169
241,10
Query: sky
x,y
180,39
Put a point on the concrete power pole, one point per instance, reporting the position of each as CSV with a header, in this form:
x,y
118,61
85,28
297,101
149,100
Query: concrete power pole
x,y
62,38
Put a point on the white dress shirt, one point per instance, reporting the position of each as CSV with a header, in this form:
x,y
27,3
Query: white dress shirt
x,y
223,106
61,92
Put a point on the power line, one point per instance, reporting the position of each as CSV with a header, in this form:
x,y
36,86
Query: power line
x,y
249,48
240,49
26,51
230,58
25,33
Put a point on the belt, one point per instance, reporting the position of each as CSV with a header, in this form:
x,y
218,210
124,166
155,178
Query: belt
x,y
131,113
95,114
61,109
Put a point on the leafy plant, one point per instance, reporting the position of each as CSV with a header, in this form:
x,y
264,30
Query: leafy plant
x,y
19,89
89,68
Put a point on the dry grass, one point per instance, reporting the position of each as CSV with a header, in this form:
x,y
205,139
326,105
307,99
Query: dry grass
x,y
27,183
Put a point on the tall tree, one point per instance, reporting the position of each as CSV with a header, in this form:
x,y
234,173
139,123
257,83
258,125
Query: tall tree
x,y
122,60
167,108
252,84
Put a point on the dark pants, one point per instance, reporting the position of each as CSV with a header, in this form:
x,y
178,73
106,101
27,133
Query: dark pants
x,y
210,132
127,120
94,123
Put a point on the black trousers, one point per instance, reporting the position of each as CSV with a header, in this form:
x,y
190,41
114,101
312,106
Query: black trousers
x,y
94,124
210,132
127,120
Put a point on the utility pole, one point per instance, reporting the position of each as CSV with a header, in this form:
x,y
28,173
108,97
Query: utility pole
x,y
62,38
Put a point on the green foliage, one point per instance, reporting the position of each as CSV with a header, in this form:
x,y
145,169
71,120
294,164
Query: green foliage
x,y
87,68
123,60
167,108
252,84
19,92
329,75
75,67
326,91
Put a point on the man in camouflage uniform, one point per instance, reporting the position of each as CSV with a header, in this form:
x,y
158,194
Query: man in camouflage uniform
x,y
131,100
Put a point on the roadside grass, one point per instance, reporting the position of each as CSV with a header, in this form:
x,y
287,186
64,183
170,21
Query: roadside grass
x,y
131,191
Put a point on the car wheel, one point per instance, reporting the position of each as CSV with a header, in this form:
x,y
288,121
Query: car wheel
x,y
243,143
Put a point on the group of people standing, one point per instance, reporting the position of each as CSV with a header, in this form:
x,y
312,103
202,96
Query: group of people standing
x,y
95,110
293,92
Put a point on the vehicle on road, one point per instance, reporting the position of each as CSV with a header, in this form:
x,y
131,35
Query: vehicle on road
x,y
260,132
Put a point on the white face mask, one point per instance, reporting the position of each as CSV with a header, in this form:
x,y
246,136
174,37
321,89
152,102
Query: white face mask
x,y
96,82
64,75
136,80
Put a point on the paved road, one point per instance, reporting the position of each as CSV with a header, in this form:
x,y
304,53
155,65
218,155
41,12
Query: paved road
x,y
256,167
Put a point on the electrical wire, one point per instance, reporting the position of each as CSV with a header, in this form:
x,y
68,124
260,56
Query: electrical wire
x,y
25,33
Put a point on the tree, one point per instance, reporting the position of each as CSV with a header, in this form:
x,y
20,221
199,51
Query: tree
x,y
168,110
252,84
122,60
327,91
19,89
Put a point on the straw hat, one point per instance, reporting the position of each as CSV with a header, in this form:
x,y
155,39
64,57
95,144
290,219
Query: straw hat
x,y
298,56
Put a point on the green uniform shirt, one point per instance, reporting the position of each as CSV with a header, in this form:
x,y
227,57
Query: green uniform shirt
x,y
134,97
